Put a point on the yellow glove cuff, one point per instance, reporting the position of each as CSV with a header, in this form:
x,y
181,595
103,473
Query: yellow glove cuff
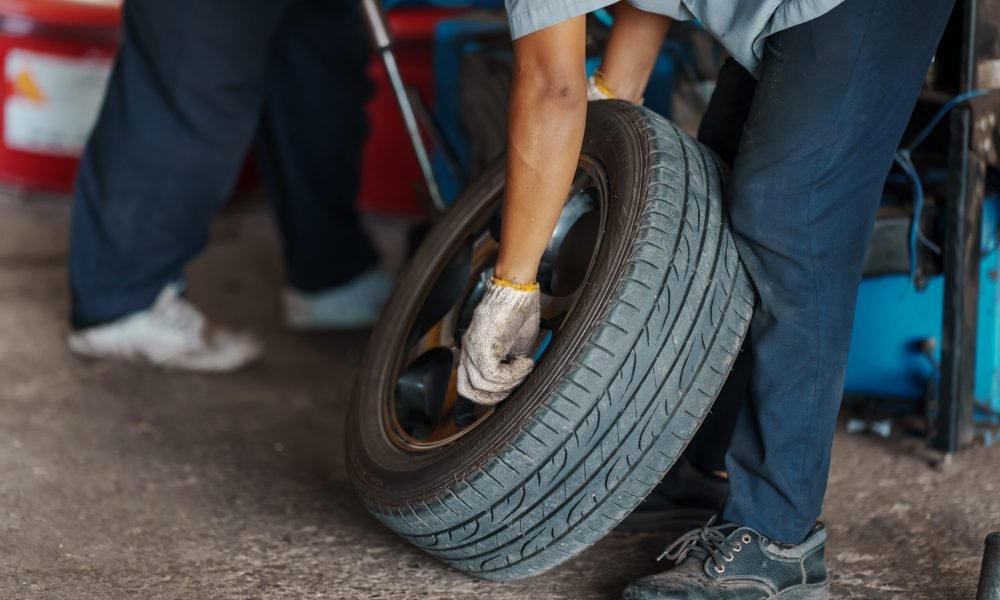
x,y
521,287
602,86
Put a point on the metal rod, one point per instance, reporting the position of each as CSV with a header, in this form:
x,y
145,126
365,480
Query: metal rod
x,y
962,254
382,38
426,121
989,575
953,428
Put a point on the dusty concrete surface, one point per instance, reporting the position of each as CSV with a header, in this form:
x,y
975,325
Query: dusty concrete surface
x,y
129,483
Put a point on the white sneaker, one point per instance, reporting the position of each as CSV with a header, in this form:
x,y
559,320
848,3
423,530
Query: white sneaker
x,y
172,334
353,305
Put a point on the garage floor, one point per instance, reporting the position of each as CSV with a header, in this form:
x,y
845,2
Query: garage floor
x,y
120,482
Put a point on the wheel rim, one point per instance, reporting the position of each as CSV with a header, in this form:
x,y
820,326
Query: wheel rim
x,y
425,412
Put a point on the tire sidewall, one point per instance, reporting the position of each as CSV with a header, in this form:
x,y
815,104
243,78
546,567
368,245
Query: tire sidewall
x,y
389,478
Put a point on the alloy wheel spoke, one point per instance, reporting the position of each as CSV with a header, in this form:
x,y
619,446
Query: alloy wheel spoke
x,y
440,335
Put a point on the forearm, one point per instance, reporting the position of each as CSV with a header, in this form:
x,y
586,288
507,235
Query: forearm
x,y
633,46
548,110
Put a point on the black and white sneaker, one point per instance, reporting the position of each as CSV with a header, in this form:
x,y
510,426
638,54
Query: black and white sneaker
x,y
730,562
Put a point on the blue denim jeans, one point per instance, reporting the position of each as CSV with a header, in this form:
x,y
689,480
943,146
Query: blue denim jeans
x,y
819,131
196,84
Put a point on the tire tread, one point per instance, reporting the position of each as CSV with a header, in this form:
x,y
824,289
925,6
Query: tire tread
x,y
630,402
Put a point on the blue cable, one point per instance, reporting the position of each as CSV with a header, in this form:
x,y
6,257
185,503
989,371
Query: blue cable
x,y
926,131
905,162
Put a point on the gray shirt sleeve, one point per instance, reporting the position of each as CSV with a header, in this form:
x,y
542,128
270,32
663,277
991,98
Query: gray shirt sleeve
x,y
741,26
528,16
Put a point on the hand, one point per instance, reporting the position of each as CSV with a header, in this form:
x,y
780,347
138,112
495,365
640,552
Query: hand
x,y
495,349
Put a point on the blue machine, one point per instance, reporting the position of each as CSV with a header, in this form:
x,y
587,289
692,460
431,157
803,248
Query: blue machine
x,y
890,355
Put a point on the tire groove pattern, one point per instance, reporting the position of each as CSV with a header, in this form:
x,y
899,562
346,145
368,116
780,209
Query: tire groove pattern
x,y
587,480
631,349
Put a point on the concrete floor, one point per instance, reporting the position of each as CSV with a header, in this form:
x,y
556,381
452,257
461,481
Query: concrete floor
x,y
120,482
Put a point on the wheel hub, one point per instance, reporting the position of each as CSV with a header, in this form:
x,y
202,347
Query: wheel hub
x,y
426,412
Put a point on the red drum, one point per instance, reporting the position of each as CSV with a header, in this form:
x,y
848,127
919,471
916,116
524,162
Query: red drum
x,y
56,58
391,179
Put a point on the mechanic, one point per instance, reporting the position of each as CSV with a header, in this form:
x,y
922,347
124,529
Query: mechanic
x,y
837,82
194,85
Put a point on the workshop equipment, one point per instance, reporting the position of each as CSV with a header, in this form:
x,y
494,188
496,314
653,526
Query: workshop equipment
x,y
382,39
56,57
989,575
971,154
400,113
403,78
895,349
926,326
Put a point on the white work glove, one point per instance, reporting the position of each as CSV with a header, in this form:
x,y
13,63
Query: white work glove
x,y
496,348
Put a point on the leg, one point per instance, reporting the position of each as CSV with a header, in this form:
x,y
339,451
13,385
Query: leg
x,y
722,126
833,100
720,130
180,111
310,139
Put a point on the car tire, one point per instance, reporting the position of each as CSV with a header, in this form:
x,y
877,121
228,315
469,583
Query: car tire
x,y
621,389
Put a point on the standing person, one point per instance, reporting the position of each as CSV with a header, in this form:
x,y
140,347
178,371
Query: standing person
x,y
837,82
194,86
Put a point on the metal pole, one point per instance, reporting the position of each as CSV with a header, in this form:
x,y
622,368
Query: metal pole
x,y
382,38
954,426
989,575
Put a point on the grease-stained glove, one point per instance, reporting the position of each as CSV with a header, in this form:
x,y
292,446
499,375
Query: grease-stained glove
x,y
496,348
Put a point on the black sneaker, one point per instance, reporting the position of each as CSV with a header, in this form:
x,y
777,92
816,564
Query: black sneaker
x,y
729,562
686,498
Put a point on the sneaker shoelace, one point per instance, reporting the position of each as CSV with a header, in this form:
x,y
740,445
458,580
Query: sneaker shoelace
x,y
709,540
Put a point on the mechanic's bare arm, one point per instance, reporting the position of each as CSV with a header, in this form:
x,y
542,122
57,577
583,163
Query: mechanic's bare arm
x,y
631,52
547,116
548,109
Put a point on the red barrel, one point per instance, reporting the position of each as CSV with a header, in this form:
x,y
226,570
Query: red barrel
x,y
391,179
56,58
